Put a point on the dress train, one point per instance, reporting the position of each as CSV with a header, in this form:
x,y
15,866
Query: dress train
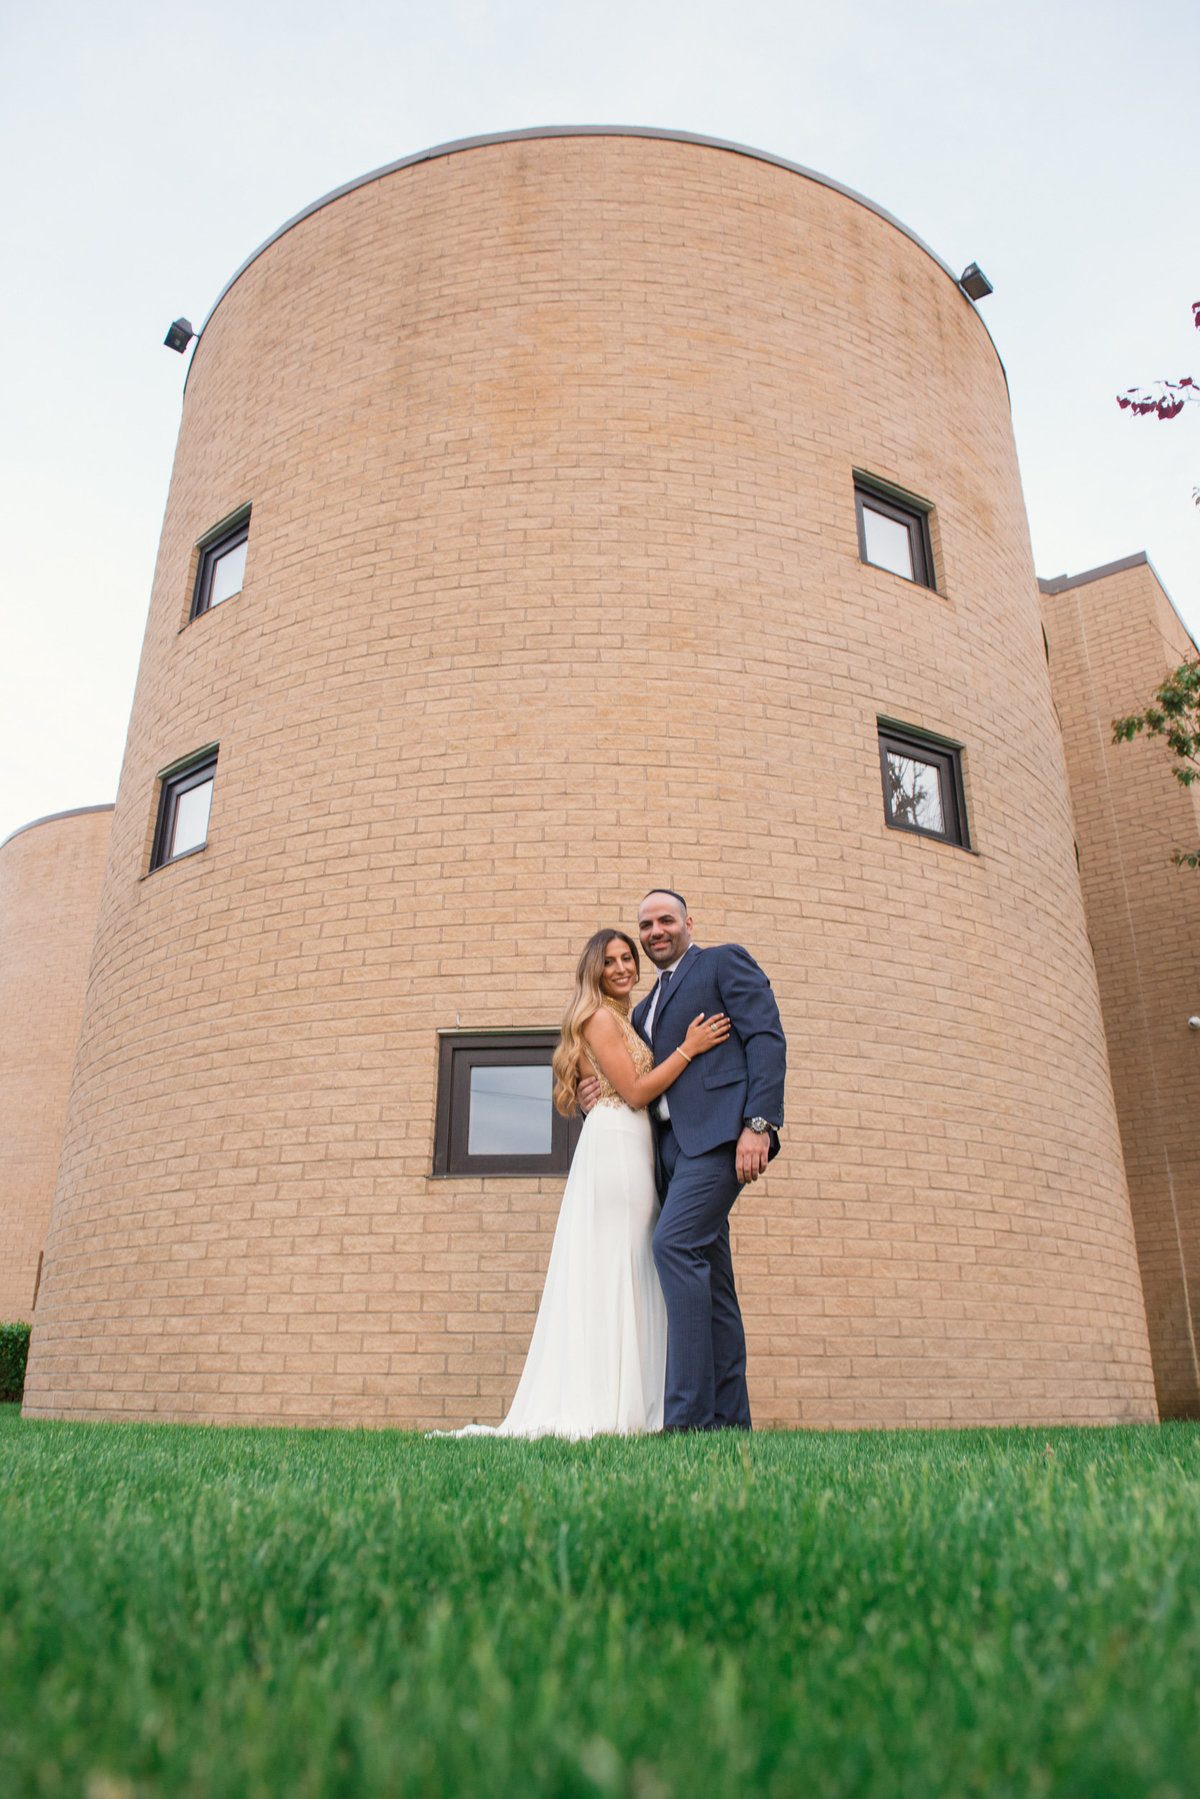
x,y
597,1361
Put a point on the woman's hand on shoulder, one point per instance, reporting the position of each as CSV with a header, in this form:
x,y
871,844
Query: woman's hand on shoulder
x,y
705,1033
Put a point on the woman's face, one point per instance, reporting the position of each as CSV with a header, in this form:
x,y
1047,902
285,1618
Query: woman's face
x,y
619,975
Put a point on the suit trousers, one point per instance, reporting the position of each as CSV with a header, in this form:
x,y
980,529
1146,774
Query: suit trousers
x,y
706,1344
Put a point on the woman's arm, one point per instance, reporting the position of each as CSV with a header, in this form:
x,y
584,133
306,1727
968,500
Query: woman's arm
x,y
609,1052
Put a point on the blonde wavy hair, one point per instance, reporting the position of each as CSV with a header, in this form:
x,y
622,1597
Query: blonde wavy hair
x,y
584,1004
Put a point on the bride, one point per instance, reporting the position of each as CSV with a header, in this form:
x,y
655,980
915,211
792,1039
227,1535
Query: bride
x,y
597,1361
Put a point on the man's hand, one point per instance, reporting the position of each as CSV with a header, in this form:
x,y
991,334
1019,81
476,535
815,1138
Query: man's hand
x,y
587,1093
753,1148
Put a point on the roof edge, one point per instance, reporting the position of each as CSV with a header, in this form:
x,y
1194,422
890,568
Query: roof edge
x,y
540,131
1062,583
51,818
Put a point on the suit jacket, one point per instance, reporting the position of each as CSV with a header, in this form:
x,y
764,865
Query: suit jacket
x,y
743,1077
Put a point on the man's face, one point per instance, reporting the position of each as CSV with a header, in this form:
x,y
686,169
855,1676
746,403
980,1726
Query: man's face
x,y
663,929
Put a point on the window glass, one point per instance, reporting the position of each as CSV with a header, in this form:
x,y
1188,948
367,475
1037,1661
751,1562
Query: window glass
x,y
888,543
922,783
228,573
915,793
512,1112
191,818
221,570
184,803
495,1105
893,532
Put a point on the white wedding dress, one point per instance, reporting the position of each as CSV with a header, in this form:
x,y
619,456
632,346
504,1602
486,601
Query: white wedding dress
x,y
598,1358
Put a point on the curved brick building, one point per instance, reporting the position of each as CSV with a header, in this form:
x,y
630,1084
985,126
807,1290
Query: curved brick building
x,y
51,873
1113,636
555,515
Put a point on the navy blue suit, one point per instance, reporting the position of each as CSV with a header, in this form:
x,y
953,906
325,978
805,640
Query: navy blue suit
x,y
710,1102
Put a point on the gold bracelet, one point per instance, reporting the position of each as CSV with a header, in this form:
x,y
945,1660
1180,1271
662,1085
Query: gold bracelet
x,y
682,1052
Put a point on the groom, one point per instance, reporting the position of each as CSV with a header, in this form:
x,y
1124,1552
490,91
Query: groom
x,y
716,1128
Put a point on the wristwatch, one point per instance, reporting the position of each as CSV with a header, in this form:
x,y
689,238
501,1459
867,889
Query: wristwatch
x,y
762,1125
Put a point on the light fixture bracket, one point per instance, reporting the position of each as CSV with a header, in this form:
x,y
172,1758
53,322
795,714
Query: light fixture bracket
x,y
974,282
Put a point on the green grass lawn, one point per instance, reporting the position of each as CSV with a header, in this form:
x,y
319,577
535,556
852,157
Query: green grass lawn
x,y
253,1612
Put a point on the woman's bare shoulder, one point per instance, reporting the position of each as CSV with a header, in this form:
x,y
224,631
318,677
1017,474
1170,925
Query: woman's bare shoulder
x,y
602,1027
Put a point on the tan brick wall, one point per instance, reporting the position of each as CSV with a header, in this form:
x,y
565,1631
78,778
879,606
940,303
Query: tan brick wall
x,y
553,591
1112,640
50,878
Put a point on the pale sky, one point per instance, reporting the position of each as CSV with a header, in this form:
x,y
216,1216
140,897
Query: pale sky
x,y
149,149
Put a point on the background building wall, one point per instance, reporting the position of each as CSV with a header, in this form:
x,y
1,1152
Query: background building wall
x,y
1113,637
50,878
552,594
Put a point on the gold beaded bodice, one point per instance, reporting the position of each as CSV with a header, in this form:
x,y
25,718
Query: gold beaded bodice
x,y
641,1053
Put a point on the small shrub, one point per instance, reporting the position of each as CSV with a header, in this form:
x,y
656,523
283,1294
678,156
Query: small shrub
x,y
14,1353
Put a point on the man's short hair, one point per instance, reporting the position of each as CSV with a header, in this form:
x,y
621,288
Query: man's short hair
x,y
670,891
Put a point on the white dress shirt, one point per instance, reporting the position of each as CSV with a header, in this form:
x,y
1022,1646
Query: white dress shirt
x,y
661,1109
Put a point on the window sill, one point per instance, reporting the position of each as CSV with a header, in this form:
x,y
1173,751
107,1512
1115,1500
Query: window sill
x,y
932,836
172,861
908,580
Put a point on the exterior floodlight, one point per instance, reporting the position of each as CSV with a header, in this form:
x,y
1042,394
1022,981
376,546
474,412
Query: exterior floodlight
x,y
974,282
181,334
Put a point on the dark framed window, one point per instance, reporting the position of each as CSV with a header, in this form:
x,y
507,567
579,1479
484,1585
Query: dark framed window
x,y
893,532
222,566
922,783
184,802
495,1113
